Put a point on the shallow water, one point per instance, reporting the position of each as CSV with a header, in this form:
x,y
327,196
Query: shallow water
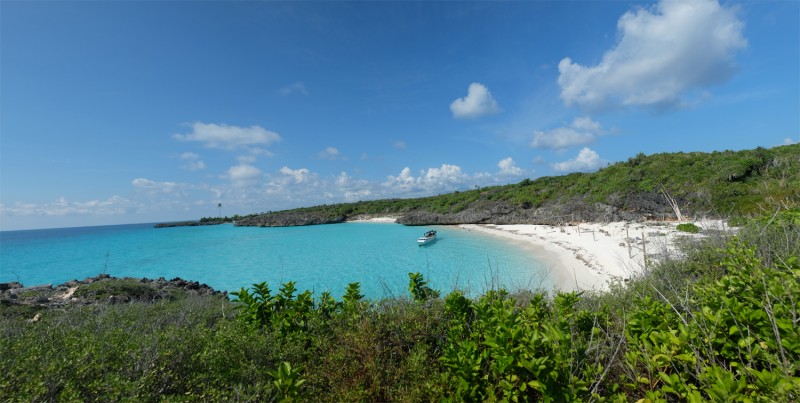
x,y
320,258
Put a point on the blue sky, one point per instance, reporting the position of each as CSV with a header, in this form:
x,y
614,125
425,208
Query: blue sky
x,y
124,112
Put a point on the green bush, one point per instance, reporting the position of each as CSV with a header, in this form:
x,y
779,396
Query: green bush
x,y
688,227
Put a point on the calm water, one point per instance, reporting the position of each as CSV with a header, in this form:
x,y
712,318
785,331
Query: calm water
x,y
320,258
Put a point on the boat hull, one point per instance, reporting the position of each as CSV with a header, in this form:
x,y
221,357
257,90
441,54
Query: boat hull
x,y
426,239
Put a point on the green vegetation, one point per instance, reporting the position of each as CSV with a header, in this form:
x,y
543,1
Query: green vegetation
x,y
688,227
727,183
221,220
720,324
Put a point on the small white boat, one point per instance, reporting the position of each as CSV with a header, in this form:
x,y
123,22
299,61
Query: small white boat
x,y
427,238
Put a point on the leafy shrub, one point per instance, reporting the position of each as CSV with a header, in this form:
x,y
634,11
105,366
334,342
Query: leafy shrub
x,y
419,288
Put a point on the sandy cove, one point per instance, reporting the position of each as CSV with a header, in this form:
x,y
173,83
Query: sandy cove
x,y
589,256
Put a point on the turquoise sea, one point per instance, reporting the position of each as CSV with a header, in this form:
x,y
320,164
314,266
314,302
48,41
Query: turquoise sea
x,y
319,258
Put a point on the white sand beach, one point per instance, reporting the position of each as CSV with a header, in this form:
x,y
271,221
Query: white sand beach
x,y
589,256
373,219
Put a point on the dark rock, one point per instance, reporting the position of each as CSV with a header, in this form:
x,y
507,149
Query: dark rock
x,y
10,286
186,224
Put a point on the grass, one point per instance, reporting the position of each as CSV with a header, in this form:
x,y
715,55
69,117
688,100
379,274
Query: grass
x,y
688,227
718,323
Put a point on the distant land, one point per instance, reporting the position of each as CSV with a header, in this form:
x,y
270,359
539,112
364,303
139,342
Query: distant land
x,y
187,224
719,184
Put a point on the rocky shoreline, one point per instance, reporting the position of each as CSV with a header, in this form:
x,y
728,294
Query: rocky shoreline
x,y
186,224
638,208
103,289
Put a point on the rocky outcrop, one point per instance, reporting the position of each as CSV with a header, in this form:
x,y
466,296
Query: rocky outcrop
x,y
550,214
103,289
638,207
290,219
186,224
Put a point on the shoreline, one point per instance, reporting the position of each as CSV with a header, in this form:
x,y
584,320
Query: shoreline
x,y
585,256
588,256
385,220
591,256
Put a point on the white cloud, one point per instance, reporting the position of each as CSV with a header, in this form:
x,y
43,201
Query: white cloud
x,y
329,153
399,144
301,175
478,102
243,174
434,180
61,207
252,155
153,186
193,162
351,189
587,160
788,141
228,137
663,54
509,167
582,131
298,87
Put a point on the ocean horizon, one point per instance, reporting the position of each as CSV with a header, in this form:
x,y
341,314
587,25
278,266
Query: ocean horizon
x,y
319,258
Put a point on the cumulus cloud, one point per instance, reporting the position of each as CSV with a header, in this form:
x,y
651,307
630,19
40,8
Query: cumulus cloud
x,y
663,54
478,102
509,167
582,131
434,180
587,160
228,137
297,87
243,174
329,153
788,141
193,162
301,175
350,188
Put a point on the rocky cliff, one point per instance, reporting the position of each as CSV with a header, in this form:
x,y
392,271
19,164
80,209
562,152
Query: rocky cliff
x,y
646,206
639,208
